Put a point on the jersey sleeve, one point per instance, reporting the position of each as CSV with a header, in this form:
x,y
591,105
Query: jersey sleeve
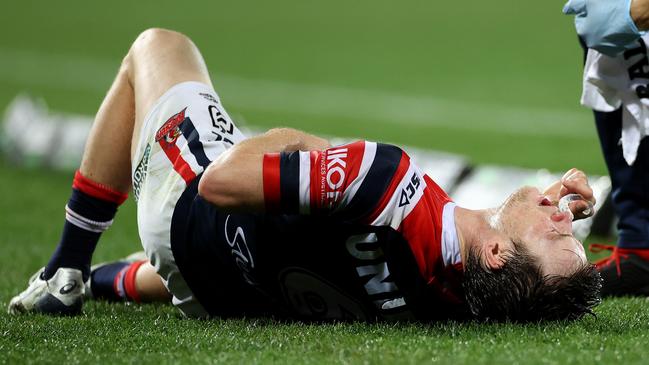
x,y
353,181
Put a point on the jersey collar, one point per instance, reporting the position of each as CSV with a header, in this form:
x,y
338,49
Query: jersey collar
x,y
450,240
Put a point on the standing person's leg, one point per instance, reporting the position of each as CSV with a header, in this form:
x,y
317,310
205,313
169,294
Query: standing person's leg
x,y
157,60
630,184
626,272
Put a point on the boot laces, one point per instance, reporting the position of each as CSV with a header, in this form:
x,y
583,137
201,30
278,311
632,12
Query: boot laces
x,y
616,255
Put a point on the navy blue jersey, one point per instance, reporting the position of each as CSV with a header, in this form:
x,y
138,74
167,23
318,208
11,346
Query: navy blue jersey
x,y
306,267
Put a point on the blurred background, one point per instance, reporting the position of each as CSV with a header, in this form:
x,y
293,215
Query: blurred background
x,y
491,83
497,81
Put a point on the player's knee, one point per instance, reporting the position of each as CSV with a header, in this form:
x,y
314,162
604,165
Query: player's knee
x,y
150,44
126,68
156,38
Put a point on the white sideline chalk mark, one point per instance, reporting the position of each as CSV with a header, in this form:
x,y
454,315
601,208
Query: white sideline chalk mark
x,y
72,72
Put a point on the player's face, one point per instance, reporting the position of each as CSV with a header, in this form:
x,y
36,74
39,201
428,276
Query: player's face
x,y
529,218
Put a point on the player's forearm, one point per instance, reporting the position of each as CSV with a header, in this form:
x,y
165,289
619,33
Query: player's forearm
x,y
280,140
234,182
640,13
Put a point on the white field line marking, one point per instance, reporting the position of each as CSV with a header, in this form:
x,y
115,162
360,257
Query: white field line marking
x,y
36,68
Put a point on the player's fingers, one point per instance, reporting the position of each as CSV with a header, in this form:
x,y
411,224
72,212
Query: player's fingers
x,y
574,174
563,191
568,174
574,177
580,209
578,206
574,7
581,187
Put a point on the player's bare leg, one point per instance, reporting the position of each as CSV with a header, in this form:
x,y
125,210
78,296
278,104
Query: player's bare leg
x,y
157,60
160,59
99,187
149,285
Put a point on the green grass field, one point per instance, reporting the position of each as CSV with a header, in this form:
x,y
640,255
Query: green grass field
x,y
495,81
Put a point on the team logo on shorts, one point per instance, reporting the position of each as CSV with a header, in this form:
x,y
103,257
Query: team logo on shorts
x,y
170,130
187,154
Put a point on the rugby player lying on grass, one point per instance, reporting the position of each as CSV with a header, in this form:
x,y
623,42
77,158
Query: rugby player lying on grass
x,y
284,224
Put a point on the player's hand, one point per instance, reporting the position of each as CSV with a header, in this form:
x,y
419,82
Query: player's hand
x,y
605,25
574,181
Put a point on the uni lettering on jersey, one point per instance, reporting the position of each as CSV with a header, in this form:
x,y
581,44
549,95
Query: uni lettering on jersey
x,y
372,269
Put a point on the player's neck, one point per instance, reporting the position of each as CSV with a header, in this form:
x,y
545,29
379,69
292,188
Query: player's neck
x,y
472,227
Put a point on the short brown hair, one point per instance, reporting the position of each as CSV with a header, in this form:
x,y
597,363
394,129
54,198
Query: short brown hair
x,y
519,292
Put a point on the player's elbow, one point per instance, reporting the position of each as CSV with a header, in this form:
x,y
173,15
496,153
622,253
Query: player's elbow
x,y
232,188
215,187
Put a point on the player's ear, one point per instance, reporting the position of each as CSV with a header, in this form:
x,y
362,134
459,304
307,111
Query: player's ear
x,y
494,254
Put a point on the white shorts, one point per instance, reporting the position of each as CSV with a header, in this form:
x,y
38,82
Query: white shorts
x,y
184,130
